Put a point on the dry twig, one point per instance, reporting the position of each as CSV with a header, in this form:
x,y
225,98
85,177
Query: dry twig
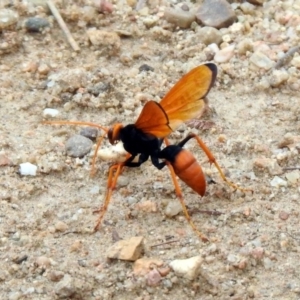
x,y
63,25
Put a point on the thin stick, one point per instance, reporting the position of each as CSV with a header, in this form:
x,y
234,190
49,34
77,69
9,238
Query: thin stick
x,y
286,57
63,25
165,243
290,168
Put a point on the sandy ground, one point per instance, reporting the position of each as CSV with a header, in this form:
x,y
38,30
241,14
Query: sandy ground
x,y
47,250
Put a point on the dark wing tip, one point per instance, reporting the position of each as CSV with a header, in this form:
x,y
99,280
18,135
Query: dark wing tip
x,y
214,70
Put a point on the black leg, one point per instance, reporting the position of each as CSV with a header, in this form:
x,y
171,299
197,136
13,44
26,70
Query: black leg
x,y
129,162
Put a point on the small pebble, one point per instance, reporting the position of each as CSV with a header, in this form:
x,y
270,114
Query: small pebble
x,y
104,39
8,17
43,69
55,276
130,249
284,215
43,262
147,206
216,13
225,54
293,176
209,35
187,268
153,278
173,208
78,146
65,288
262,61
50,112
143,265
61,226
28,169
145,68
278,182
180,18
278,77
36,24
89,132
76,246
115,153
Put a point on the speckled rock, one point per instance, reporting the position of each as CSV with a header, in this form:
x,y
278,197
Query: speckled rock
x,y
216,13
78,146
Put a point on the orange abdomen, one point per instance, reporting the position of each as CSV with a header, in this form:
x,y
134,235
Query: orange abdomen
x,y
189,171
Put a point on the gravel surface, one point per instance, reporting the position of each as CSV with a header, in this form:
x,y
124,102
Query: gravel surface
x,y
131,52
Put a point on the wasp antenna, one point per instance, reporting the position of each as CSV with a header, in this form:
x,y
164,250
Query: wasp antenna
x,y
76,123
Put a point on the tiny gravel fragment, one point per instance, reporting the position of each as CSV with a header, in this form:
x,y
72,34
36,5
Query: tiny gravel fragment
x,y
78,146
36,24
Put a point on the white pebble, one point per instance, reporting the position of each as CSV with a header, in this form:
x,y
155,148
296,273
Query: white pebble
x,y
293,176
173,208
50,112
225,54
28,169
278,182
115,153
187,268
262,61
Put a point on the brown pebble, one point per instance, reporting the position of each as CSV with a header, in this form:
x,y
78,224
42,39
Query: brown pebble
x,y
43,261
164,271
143,265
55,276
61,226
4,160
130,249
258,253
153,278
75,247
43,69
147,206
242,264
283,215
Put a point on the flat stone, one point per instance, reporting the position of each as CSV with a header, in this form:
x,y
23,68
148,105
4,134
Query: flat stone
x,y
130,249
216,13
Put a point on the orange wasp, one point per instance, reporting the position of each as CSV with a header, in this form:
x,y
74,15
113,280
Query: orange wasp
x,y
144,138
